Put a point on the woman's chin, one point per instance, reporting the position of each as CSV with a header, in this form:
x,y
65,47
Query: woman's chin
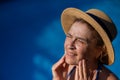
x,y
71,62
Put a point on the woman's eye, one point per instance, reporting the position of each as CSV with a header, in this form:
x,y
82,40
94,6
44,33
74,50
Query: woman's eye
x,y
81,41
68,35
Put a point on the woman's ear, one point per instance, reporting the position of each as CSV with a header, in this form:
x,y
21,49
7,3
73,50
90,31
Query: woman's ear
x,y
103,54
99,51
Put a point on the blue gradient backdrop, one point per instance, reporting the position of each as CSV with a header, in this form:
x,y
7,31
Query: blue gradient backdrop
x,y
31,36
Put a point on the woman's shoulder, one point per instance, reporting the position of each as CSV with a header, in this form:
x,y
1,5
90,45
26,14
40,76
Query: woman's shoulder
x,y
106,74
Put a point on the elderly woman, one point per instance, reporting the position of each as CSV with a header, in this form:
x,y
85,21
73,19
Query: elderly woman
x,y
87,46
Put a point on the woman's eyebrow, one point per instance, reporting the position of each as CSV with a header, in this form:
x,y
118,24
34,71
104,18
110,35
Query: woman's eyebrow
x,y
69,34
81,38
77,37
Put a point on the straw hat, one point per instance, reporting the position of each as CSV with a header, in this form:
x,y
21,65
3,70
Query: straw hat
x,y
99,21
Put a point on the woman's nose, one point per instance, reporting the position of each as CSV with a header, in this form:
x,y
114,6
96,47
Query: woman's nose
x,y
72,45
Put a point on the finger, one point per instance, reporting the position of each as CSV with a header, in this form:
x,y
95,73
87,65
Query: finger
x,y
65,71
80,70
84,69
59,63
95,74
66,66
76,73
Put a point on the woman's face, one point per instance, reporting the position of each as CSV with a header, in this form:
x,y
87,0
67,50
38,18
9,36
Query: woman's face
x,y
80,44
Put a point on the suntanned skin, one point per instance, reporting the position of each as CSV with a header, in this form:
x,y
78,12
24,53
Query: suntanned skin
x,y
80,51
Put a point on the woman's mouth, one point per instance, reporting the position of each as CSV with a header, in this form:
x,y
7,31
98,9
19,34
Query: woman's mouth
x,y
71,55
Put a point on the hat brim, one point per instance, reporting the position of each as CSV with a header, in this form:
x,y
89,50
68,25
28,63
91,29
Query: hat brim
x,y
69,15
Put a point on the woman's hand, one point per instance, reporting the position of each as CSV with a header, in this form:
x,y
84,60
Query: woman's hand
x,y
82,72
60,69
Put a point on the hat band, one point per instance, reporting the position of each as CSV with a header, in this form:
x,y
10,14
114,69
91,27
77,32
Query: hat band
x,y
102,25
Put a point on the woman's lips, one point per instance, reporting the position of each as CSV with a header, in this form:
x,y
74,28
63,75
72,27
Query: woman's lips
x,y
70,54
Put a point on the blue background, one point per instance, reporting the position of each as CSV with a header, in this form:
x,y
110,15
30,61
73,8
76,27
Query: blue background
x,y
31,36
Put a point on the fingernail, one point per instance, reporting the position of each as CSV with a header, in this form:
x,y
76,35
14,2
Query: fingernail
x,y
80,62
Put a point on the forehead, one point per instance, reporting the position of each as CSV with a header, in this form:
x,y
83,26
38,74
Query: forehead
x,y
80,29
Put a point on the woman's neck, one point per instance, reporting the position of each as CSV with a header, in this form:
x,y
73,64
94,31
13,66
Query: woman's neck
x,y
91,65
91,68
